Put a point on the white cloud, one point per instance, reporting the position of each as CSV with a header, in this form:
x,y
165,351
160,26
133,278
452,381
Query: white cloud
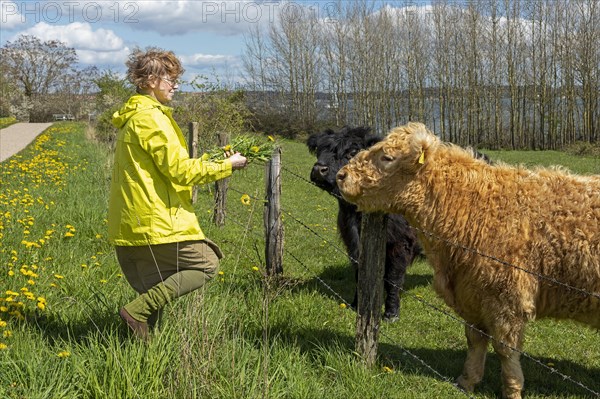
x,y
77,35
104,58
206,60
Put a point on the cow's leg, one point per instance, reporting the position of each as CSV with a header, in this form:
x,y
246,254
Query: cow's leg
x,y
354,265
512,374
475,363
393,281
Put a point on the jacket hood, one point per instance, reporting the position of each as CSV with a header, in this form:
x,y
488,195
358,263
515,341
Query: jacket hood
x,y
135,104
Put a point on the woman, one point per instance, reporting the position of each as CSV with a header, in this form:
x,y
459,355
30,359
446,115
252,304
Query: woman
x,y
161,249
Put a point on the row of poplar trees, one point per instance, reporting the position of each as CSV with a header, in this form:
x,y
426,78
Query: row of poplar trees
x,y
497,73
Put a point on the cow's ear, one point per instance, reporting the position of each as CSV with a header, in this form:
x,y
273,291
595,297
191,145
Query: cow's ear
x,y
370,140
423,143
313,141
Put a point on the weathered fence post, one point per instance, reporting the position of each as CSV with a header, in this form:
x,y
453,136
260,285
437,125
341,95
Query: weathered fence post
x,y
193,149
221,188
371,264
272,216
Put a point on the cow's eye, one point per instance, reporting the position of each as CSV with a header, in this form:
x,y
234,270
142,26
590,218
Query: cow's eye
x,y
387,158
351,154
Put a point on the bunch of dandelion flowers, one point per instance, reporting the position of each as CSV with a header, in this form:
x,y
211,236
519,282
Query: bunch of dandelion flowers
x,y
253,147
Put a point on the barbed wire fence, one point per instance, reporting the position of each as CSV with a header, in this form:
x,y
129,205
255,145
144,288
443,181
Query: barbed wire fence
x,y
299,223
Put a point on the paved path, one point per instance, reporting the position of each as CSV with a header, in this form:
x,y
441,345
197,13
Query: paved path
x,y
17,136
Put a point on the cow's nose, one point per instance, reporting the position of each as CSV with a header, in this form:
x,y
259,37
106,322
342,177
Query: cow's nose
x,y
341,175
321,170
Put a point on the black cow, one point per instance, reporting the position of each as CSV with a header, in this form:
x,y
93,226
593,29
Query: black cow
x,y
333,150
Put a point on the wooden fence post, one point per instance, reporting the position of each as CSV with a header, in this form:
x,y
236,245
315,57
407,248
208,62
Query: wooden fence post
x,y
371,265
193,150
221,188
272,216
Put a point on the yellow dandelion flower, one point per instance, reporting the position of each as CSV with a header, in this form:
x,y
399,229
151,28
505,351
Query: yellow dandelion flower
x,y
69,234
387,369
103,281
3,346
30,282
11,273
63,354
98,236
245,199
7,334
2,324
3,309
255,148
255,268
58,276
227,147
270,138
41,306
343,305
221,273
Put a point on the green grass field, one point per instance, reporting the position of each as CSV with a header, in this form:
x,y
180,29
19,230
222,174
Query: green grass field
x,y
244,335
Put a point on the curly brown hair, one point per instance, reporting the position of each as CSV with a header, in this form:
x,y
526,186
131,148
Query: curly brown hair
x,y
144,66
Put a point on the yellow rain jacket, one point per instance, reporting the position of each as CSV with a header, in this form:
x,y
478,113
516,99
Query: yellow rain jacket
x,y
151,189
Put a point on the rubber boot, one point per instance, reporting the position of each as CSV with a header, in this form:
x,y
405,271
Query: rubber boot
x,y
136,312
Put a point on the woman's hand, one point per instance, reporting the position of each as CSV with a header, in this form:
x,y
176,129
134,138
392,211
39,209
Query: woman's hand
x,y
238,161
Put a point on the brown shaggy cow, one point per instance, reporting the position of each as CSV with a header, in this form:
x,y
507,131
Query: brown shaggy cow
x,y
545,221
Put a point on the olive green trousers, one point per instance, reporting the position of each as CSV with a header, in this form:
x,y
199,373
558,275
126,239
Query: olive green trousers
x,y
163,272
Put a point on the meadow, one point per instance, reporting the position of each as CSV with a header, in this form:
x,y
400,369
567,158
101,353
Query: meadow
x,y
246,335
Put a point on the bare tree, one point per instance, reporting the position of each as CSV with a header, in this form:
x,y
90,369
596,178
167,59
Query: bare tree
x,y
37,66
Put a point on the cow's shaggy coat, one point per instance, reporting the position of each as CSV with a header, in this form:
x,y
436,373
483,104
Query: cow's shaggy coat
x,y
546,221
334,150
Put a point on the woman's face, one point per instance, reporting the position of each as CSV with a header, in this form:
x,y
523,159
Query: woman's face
x,y
163,89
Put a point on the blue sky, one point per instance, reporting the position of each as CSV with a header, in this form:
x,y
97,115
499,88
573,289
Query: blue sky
x,y
207,35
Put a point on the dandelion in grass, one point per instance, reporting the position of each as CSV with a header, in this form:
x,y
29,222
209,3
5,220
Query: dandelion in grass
x,y
63,354
255,268
343,306
103,281
58,276
2,324
69,234
387,369
7,334
221,273
270,138
245,199
3,346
